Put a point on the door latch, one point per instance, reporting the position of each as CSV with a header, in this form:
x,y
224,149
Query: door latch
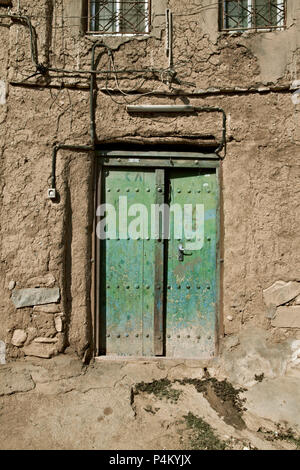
x,y
180,252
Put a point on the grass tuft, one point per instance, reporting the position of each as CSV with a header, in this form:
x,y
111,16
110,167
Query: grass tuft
x,y
203,437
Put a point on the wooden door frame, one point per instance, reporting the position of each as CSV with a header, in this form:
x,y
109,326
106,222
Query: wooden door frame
x,y
164,160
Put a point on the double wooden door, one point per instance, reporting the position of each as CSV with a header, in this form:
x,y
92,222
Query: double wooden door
x,y
158,262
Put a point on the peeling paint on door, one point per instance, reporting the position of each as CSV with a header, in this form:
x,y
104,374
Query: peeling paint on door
x,y
127,271
159,297
192,286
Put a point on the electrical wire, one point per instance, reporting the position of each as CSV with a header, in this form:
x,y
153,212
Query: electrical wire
x,y
111,58
125,100
94,16
33,40
41,69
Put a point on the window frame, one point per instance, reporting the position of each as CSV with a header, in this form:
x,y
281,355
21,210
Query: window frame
x,y
250,26
89,31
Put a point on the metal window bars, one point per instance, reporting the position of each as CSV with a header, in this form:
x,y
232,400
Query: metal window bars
x,y
239,15
119,16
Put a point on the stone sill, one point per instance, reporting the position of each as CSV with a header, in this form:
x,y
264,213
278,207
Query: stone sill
x,y
239,32
166,360
118,35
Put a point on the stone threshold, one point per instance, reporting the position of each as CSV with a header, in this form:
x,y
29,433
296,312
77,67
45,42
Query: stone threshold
x,y
162,359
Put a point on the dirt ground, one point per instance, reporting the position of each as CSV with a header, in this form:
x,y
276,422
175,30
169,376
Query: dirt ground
x,y
116,405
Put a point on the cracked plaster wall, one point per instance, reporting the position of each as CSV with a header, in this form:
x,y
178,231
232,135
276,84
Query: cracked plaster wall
x,y
261,170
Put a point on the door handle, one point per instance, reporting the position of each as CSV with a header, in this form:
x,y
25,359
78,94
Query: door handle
x,y
181,253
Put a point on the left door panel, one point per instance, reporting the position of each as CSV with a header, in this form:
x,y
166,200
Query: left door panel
x,y
127,262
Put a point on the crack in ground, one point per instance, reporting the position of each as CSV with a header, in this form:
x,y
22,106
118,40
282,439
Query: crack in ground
x,y
74,389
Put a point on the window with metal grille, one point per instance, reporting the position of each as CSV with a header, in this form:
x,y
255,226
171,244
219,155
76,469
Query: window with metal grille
x,y
252,14
119,16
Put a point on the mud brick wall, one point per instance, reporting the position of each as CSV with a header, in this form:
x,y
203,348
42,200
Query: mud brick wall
x,y
253,76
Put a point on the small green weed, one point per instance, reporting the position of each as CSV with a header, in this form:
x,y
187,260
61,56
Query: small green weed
x,y
203,437
160,388
282,435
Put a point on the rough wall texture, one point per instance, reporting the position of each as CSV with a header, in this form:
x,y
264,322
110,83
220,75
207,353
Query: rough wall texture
x,y
251,75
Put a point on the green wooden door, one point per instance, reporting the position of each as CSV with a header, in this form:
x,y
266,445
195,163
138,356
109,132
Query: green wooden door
x,y
127,264
159,297
191,271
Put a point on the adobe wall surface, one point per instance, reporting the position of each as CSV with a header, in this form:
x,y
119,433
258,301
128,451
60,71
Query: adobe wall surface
x,y
254,77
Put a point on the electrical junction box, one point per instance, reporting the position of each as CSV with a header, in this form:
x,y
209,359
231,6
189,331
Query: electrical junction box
x,y
52,193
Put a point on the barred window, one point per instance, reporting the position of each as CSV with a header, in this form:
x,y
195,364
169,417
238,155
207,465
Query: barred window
x,y
257,14
119,16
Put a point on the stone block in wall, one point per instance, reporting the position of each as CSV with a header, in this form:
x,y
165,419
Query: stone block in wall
x,y
296,97
58,323
287,317
11,285
42,350
295,85
42,281
47,308
30,297
280,293
45,340
18,338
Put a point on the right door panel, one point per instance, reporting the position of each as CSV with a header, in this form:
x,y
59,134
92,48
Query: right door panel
x,y
191,299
